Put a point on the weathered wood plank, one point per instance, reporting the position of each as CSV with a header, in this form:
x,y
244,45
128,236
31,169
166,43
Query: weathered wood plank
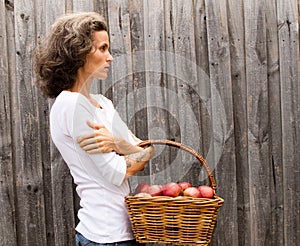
x,y
156,90
121,72
258,121
43,129
7,197
239,106
182,87
137,114
222,120
101,7
276,170
201,50
288,35
175,155
120,48
27,158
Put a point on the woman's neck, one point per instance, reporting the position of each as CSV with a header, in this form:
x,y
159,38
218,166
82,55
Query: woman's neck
x,y
82,84
84,89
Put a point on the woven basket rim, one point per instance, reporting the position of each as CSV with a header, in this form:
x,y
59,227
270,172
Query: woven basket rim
x,y
216,198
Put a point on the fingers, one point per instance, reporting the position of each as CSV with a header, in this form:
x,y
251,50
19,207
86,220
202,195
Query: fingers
x,y
103,149
96,144
94,125
97,141
96,147
91,146
92,141
85,137
92,135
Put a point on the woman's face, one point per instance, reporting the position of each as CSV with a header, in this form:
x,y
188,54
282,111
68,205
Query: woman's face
x,y
98,60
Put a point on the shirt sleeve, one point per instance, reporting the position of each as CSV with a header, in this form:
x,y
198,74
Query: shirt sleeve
x,y
103,166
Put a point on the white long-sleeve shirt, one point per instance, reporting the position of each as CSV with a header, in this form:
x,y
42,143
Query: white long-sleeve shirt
x,y
100,178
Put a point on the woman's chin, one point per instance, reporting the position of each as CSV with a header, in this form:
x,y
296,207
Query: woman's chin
x,y
101,76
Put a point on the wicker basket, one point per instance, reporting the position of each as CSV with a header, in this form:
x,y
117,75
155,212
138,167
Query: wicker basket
x,y
180,220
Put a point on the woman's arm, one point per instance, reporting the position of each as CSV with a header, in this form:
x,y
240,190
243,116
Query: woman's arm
x,y
102,141
136,162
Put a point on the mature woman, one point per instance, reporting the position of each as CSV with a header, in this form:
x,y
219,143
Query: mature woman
x,y
99,150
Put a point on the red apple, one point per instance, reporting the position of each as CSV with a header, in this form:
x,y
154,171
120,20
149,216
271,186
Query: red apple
x,y
206,191
155,190
172,189
141,188
192,192
184,185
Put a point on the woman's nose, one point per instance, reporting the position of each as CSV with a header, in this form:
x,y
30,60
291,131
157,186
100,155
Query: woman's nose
x,y
109,58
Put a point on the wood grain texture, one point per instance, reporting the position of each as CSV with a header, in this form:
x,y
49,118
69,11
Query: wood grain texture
x,y
258,121
155,89
288,38
203,85
27,157
7,196
223,134
236,30
275,153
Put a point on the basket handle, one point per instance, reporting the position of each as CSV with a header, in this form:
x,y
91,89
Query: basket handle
x,y
188,149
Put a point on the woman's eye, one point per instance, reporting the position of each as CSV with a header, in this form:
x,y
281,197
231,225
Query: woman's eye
x,y
103,47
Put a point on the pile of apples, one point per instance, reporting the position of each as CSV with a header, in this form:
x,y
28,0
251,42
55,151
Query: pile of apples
x,y
173,189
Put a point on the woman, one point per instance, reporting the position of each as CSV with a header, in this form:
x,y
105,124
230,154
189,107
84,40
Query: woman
x,y
74,53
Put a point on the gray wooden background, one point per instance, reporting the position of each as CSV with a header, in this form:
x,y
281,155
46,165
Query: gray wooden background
x,y
221,76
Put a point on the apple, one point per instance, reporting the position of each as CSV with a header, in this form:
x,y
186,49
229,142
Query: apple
x,y
206,191
142,194
171,189
184,185
192,192
142,188
155,190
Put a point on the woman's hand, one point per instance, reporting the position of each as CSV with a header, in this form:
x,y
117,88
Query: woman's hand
x,y
137,162
98,141
102,141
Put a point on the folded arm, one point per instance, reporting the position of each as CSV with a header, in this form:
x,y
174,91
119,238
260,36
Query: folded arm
x,y
102,141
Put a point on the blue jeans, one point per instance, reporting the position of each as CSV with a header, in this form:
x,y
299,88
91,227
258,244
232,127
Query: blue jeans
x,y
82,241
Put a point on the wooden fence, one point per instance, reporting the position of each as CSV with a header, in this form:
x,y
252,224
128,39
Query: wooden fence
x,y
221,76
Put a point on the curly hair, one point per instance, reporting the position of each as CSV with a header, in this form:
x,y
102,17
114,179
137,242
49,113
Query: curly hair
x,y
63,51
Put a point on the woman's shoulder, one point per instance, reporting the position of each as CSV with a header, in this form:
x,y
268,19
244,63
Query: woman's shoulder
x,y
68,101
67,96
